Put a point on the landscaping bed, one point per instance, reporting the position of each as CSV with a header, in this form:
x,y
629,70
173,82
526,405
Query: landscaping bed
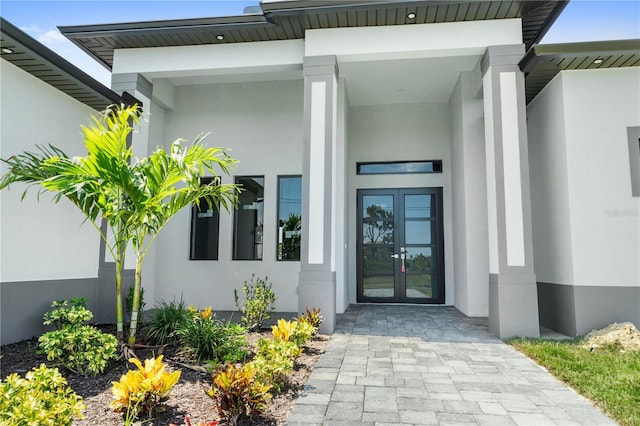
x,y
187,397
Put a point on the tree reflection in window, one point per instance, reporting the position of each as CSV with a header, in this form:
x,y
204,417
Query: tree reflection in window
x,y
378,225
289,217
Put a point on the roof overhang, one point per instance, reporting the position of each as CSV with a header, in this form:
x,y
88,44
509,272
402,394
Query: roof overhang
x,y
543,62
287,20
31,56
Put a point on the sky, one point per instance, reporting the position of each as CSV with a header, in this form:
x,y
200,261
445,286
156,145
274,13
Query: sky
x,y
582,20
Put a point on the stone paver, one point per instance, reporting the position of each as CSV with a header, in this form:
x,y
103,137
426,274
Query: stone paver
x,y
410,365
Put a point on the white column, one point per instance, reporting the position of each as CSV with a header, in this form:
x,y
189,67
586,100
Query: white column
x,y
317,286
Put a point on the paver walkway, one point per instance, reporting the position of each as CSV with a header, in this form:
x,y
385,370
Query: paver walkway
x,y
431,365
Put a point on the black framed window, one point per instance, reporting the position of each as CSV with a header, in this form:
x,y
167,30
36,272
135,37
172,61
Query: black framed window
x,y
248,219
289,217
205,228
399,167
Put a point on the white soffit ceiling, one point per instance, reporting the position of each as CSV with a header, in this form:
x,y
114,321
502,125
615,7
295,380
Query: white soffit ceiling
x,y
404,81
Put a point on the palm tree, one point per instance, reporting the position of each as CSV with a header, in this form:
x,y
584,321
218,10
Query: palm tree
x,y
90,183
162,185
135,197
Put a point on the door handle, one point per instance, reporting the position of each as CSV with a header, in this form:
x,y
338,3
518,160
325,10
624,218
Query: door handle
x,y
401,256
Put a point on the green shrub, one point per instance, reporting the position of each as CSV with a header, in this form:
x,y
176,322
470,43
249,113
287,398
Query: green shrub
x,y
83,350
206,338
237,392
165,321
258,302
42,398
64,315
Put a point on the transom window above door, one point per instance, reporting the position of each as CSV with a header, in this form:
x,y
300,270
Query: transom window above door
x,y
399,167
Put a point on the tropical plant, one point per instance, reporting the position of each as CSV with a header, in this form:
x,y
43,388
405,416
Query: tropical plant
x,y
283,330
237,392
258,302
41,398
205,338
303,333
83,350
137,197
139,391
165,321
165,183
93,183
64,315
274,360
80,348
312,316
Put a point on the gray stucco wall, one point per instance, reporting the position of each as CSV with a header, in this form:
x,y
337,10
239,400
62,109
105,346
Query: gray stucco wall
x,y
576,310
23,303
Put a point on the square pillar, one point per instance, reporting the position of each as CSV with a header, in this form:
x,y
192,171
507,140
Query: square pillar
x,y
317,283
513,299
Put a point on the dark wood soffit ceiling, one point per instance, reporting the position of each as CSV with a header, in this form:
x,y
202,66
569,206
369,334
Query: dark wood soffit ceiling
x,y
543,62
288,20
34,58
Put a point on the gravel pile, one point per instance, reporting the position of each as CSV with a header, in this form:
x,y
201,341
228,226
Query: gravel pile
x,y
625,334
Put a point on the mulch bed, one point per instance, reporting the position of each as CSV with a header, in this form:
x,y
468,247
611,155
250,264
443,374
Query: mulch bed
x,y
187,397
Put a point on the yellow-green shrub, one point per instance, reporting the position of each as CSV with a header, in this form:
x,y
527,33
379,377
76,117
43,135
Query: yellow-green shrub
x,y
237,392
139,391
298,332
42,398
83,349
283,330
80,348
303,333
274,360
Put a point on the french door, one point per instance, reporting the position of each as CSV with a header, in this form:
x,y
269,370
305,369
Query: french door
x,y
400,245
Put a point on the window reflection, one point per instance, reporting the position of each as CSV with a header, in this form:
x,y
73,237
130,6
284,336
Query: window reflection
x,y
289,217
205,225
248,220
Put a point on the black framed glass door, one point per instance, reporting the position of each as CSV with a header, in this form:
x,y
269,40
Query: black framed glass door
x,y
400,245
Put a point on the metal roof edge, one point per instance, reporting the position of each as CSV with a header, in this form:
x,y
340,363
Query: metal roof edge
x,y
294,6
58,61
588,47
537,51
272,12
551,19
237,20
529,60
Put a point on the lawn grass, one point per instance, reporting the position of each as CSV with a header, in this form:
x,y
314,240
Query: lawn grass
x,y
607,376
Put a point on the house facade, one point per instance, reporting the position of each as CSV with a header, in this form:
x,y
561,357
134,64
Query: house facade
x,y
384,152
328,92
